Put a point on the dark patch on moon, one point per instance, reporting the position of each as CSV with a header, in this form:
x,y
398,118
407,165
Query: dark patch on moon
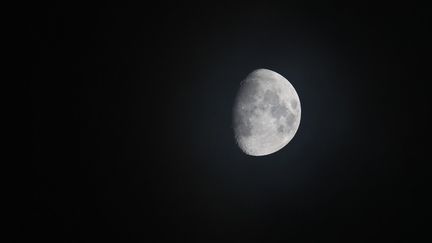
x,y
290,119
277,108
281,129
261,106
271,98
294,104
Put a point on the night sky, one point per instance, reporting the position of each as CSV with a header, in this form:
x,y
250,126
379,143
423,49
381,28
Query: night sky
x,y
130,134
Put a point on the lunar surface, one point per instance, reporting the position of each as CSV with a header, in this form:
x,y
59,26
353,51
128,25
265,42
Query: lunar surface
x,y
266,113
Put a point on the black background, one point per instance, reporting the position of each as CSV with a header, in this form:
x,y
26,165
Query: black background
x,y
131,139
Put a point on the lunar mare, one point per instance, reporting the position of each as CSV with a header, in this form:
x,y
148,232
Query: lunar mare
x,y
266,113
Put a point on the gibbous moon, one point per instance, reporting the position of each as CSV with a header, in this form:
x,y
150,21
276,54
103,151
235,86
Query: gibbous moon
x,y
266,113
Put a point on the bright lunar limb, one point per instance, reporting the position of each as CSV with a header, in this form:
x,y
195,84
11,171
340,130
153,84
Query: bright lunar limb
x,y
266,113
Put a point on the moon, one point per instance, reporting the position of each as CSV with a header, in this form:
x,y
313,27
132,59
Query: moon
x,y
266,113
